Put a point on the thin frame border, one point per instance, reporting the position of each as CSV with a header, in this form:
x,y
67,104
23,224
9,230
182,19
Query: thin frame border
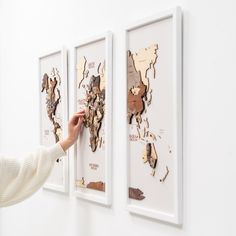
x,y
176,218
107,200
63,52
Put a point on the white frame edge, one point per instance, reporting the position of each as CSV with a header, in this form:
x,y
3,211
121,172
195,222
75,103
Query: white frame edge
x,y
107,200
63,51
176,218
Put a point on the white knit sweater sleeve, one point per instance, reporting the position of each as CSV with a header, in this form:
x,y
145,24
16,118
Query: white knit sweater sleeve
x,y
19,179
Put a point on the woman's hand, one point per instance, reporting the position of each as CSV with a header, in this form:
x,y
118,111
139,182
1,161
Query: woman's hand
x,y
74,128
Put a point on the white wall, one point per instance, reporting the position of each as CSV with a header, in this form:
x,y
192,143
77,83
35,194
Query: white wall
x,y
29,27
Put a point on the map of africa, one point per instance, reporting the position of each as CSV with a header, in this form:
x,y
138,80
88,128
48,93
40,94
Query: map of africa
x,y
94,101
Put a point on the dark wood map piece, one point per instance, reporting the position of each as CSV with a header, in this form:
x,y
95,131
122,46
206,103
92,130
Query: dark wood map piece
x,y
95,83
45,82
166,174
52,102
55,129
100,186
136,104
98,69
136,193
94,111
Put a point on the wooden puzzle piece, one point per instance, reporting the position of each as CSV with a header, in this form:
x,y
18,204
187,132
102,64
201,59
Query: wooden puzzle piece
x,y
81,66
150,155
102,72
136,193
136,104
45,84
80,183
94,110
134,77
166,174
146,122
144,60
149,101
100,186
152,136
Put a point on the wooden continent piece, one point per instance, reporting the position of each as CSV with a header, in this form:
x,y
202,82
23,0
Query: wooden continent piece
x,y
81,70
45,85
144,60
100,186
94,111
150,156
134,77
136,193
80,183
136,90
136,103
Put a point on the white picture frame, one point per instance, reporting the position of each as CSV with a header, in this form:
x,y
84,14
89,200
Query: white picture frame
x,y
60,55
134,206
88,194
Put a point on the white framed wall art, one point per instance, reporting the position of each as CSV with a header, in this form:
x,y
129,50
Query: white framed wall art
x,y
93,93
53,112
154,117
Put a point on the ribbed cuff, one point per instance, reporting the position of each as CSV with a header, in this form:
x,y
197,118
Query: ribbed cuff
x,y
56,151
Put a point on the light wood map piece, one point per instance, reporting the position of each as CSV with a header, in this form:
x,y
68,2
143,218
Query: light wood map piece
x,y
81,73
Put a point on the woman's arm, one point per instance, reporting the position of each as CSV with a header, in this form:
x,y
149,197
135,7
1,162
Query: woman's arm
x,y
20,179
74,127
